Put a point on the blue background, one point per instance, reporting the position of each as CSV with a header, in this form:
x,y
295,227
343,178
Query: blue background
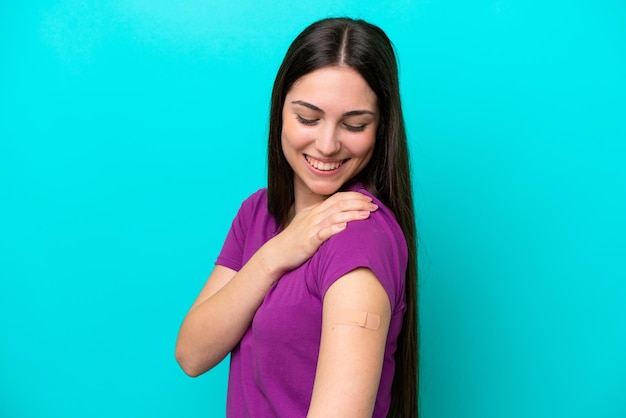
x,y
130,131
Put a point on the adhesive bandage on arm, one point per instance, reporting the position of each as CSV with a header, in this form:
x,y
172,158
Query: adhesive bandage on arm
x,y
361,319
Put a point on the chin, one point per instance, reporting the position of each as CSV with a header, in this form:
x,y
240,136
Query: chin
x,y
325,189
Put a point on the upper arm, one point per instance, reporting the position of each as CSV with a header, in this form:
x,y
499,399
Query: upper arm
x,y
351,356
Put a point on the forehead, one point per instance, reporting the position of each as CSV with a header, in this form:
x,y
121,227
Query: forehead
x,y
334,88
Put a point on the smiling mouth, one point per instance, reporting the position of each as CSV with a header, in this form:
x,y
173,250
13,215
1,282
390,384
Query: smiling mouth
x,y
323,166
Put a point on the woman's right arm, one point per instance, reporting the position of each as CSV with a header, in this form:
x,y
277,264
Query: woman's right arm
x,y
221,314
226,305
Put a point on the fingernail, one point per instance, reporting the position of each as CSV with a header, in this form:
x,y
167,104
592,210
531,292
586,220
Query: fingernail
x,y
364,212
373,206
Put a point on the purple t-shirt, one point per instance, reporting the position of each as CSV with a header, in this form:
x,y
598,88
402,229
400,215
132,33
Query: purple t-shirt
x,y
272,369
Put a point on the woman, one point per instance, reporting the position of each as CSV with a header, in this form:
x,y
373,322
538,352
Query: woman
x,y
314,292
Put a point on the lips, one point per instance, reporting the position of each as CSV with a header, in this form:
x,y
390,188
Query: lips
x,y
323,165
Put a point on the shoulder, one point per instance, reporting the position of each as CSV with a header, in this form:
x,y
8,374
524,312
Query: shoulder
x,y
254,205
379,230
376,243
251,211
255,199
251,227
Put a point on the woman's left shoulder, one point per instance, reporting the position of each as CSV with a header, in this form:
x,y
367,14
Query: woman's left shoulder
x,y
380,227
376,243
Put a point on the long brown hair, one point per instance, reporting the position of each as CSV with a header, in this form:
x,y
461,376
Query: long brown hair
x,y
367,49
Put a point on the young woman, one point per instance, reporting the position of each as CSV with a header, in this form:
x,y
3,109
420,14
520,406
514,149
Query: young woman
x,y
314,291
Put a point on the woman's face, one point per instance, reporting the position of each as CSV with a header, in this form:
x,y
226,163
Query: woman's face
x,y
330,117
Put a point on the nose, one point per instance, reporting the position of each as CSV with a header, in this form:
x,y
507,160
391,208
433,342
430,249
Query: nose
x,y
327,142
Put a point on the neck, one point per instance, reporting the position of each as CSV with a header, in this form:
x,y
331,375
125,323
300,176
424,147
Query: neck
x,y
304,199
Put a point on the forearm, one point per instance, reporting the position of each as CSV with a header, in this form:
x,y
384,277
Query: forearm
x,y
215,325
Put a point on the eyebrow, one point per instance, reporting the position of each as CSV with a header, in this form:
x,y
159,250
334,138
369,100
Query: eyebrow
x,y
317,109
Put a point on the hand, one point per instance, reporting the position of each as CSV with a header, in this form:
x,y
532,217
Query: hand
x,y
315,224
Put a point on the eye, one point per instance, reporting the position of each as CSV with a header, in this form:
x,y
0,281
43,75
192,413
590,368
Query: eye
x,y
354,128
307,122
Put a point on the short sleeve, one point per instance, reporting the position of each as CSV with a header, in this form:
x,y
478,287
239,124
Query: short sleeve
x,y
376,243
232,254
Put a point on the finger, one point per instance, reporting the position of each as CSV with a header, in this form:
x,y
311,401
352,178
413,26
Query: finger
x,y
342,197
343,211
327,232
351,206
343,205
344,217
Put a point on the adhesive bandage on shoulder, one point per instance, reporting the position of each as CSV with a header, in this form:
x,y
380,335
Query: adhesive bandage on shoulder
x,y
358,318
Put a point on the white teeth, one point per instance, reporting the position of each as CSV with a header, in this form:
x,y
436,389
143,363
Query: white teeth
x,y
323,166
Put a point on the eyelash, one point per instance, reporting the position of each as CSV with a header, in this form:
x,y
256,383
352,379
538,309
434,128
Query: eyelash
x,y
353,128
311,122
307,122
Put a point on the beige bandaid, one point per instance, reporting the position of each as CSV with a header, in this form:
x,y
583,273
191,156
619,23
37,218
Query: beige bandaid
x,y
359,318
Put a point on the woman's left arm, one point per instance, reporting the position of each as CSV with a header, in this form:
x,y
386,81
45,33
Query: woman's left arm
x,y
355,322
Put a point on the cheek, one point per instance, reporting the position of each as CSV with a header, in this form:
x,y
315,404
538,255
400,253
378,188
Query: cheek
x,y
285,137
368,155
364,147
288,140
292,135
365,150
